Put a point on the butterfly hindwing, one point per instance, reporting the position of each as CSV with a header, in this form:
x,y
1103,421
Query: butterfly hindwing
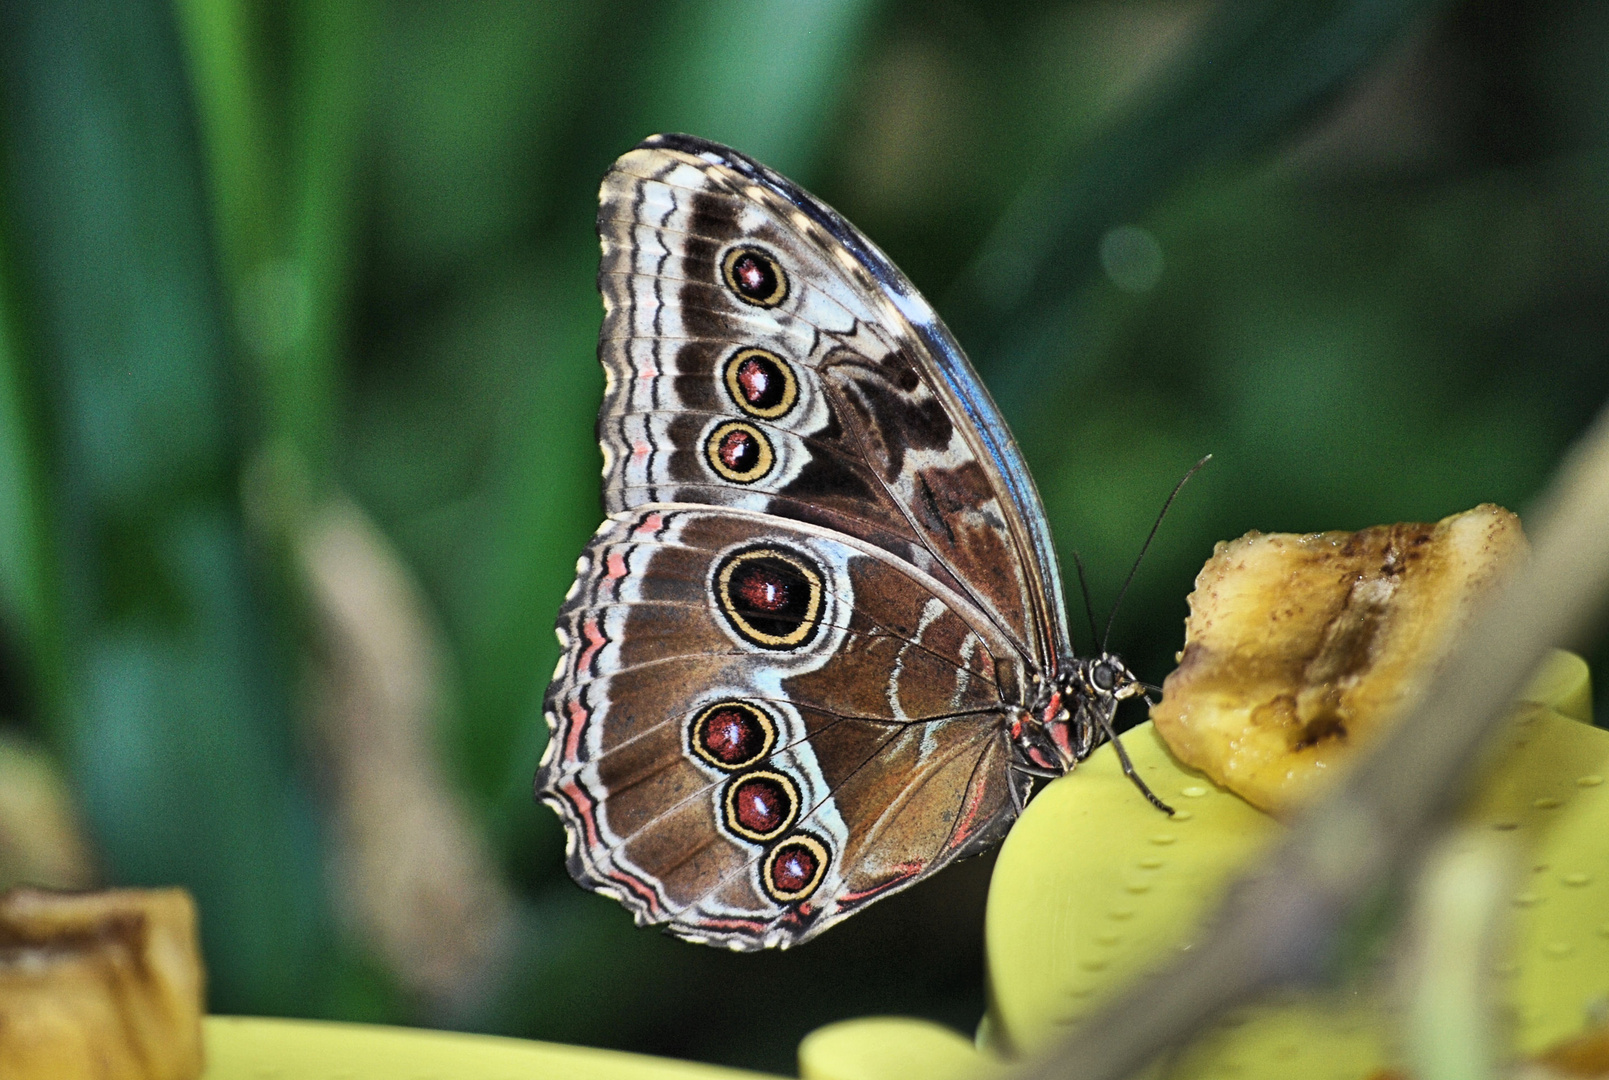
x,y
760,726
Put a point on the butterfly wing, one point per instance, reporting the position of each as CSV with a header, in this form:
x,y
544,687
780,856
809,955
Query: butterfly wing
x,y
761,353
760,725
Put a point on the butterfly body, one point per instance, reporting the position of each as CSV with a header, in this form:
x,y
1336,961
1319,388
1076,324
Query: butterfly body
x,y
818,649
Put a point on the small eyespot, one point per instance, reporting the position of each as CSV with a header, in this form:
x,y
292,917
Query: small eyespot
x,y
760,806
755,277
794,868
761,383
739,452
731,735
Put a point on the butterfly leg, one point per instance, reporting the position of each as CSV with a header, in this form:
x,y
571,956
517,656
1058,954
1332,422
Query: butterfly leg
x,y
1104,716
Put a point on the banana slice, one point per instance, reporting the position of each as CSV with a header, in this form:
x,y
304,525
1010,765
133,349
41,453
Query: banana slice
x,y
1299,647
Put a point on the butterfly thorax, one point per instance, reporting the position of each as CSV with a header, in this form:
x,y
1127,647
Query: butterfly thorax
x,y
1072,714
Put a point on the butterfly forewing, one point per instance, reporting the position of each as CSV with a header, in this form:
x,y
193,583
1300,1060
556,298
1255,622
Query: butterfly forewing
x,y
875,442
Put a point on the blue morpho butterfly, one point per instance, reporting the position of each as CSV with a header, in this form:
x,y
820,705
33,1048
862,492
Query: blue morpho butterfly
x,y
818,650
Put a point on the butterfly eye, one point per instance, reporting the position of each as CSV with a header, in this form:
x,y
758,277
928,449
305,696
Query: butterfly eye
x,y
755,277
761,383
1103,677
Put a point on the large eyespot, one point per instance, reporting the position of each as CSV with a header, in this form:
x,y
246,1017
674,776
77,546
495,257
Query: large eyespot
x,y
755,277
794,868
771,598
739,452
760,806
731,735
761,383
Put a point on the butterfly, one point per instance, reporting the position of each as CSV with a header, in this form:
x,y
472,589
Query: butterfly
x,y
818,650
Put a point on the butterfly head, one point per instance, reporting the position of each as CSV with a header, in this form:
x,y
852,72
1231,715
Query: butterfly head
x,y
1104,679
1071,716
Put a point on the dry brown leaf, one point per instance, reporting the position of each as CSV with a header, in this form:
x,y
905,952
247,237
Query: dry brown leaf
x,y
100,986
413,873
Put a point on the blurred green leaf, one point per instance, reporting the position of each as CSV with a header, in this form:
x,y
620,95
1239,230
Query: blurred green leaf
x,y
245,161
1257,71
477,97
30,592
768,85
286,206
178,711
327,113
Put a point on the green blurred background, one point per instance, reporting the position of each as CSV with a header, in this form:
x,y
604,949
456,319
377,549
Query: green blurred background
x,y
297,387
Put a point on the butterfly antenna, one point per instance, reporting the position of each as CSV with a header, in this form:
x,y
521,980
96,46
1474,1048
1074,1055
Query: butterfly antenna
x,y
1089,608
1135,569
